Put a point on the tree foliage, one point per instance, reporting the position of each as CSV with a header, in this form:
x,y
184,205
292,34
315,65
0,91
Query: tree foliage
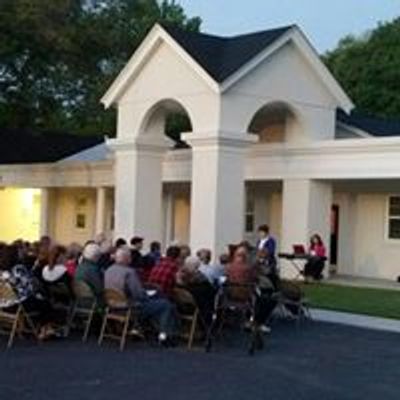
x,y
368,68
58,57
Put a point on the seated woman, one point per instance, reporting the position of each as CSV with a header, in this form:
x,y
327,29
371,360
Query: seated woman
x,y
266,271
203,292
31,296
315,264
239,271
73,254
55,275
268,283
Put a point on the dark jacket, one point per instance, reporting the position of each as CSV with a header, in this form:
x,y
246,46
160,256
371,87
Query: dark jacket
x,y
90,273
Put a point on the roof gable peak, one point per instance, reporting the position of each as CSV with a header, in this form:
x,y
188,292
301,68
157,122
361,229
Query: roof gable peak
x,y
222,61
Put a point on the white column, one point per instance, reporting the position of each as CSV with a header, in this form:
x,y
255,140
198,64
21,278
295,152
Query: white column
x,y
306,210
100,225
217,204
138,187
44,228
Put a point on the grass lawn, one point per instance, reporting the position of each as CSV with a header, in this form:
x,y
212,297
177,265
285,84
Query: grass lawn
x,y
375,302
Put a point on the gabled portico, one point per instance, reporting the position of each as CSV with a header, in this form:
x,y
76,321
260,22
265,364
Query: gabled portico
x,y
221,96
264,144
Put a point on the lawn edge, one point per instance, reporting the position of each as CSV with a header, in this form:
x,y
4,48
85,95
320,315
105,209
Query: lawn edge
x,y
356,320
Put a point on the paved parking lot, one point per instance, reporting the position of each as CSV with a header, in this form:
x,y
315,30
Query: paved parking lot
x,y
318,361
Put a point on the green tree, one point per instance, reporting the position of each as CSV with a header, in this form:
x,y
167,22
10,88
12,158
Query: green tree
x,y
368,67
58,57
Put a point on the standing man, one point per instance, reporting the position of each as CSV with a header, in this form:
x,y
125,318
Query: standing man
x,y
267,243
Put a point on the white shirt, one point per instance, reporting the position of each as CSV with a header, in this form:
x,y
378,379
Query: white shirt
x,y
262,243
51,275
212,271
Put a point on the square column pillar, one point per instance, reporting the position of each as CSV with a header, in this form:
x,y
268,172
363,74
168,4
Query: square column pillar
x,y
100,225
306,210
217,204
138,186
169,199
44,226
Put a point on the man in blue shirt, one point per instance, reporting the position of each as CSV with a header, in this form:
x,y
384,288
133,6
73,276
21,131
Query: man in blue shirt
x,y
268,243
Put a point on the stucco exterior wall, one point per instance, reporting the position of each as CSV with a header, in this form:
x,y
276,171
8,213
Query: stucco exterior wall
x,y
374,254
284,77
67,205
363,247
164,67
267,210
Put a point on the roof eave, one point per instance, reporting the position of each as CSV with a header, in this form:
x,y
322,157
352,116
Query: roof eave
x,y
359,132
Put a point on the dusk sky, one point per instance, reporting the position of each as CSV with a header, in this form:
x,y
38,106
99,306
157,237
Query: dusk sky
x,y
324,22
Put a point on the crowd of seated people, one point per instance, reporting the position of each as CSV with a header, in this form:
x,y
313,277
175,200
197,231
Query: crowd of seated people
x,y
147,279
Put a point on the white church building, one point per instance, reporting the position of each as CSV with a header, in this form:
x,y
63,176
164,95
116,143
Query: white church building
x,y
271,138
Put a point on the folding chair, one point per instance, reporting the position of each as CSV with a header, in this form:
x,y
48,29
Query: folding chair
x,y
188,312
85,306
241,299
62,301
119,311
292,304
18,320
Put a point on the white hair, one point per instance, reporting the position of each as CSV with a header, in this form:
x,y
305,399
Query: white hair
x,y
192,263
92,252
122,255
105,246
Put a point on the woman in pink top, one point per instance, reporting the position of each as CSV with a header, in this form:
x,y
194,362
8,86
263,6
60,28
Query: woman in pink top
x,y
239,271
316,263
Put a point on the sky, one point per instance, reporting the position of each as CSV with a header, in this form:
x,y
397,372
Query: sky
x,y
325,22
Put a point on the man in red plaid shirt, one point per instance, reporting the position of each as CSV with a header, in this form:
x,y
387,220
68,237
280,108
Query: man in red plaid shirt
x,y
163,275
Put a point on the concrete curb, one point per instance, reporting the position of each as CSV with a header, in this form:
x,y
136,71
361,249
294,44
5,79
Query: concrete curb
x,y
357,320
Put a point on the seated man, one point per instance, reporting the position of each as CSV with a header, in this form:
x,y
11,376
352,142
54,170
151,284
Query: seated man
x,y
163,275
213,272
124,279
136,252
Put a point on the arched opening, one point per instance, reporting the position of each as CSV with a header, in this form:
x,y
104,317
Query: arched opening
x,y
170,118
275,123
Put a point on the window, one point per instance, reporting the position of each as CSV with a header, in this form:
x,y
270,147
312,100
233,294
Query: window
x,y
81,213
393,229
80,222
249,216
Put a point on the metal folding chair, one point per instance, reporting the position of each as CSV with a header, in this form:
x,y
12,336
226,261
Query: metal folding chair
x,y
117,311
85,306
188,312
14,317
291,308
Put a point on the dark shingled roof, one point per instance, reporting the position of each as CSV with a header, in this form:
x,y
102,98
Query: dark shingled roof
x,y
223,56
372,125
20,146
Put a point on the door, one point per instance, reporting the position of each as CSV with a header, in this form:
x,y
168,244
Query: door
x,y
334,234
